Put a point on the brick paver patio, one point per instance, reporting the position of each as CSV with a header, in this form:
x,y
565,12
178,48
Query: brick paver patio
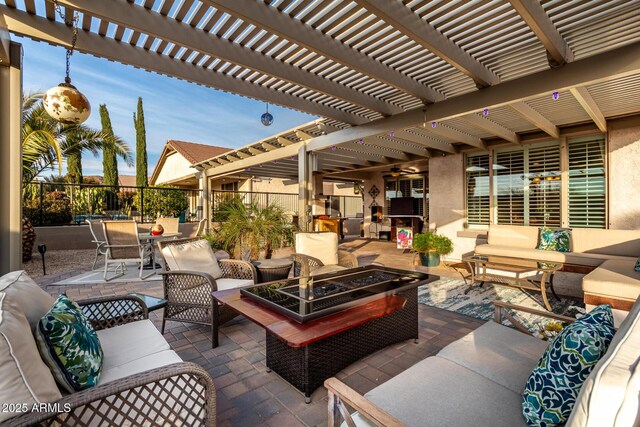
x,y
247,395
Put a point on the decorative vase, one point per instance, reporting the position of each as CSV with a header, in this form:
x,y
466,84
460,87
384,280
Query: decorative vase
x,y
429,259
157,230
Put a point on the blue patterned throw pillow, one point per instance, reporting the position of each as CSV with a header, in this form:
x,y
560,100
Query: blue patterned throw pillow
x,y
70,346
555,239
554,384
638,265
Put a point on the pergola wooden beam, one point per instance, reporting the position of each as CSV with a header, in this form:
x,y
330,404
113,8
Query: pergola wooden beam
x,y
492,127
137,18
451,133
5,42
424,140
403,145
303,135
537,19
284,141
538,120
272,20
59,34
613,64
582,95
420,31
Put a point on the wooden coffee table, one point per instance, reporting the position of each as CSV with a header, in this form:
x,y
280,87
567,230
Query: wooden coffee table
x,y
306,354
514,272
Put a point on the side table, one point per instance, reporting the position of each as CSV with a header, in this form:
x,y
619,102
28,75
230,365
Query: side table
x,y
270,270
152,303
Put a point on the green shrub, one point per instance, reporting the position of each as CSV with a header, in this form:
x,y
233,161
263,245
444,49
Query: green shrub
x,y
56,209
162,202
432,242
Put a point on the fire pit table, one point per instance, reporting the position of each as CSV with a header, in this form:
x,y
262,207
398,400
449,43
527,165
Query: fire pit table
x,y
315,327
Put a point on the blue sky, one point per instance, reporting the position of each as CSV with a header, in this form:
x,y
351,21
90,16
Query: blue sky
x,y
173,109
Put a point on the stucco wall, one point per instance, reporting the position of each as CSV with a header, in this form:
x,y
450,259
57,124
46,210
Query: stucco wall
x,y
447,202
175,167
624,174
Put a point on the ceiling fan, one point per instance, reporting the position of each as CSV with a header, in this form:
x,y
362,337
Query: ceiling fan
x,y
396,171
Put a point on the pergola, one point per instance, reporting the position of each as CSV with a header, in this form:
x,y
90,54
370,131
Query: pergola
x,y
394,81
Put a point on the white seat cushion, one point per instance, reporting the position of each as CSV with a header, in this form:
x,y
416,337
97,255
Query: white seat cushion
x,y
146,363
609,396
24,377
132,341
192,256
614,278
436,392
323,246
32,300
591,260
501,354
224,284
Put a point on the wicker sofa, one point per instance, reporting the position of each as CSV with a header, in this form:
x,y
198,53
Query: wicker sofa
x,y
479,381
143,381
607,256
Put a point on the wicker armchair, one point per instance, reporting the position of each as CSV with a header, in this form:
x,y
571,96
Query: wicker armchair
x,y
307,265
188,293
176,394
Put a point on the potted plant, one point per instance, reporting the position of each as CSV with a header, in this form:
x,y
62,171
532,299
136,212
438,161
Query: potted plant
x,y
430,246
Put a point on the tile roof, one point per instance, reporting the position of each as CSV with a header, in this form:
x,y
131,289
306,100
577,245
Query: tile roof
x,y
196,153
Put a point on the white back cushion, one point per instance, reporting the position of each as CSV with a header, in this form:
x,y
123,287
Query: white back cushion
x,y
194,256
516,236
609,397
323,246
32,300
24,377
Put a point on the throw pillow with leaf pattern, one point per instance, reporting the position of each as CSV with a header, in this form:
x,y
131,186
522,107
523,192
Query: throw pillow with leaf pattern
x,y
70,346
637,268
555,239
553,386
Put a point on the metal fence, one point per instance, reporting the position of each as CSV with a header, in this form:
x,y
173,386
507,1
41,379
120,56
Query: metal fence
x,y
49,203
345,206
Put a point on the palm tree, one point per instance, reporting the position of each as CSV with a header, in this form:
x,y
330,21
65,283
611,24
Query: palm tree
x,y
46,143
252,227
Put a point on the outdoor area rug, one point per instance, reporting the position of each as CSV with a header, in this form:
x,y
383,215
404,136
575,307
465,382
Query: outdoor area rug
x,y
93,277
448,294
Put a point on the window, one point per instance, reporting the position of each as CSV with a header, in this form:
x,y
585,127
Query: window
x,y
478,196
587,183
229,186
528,186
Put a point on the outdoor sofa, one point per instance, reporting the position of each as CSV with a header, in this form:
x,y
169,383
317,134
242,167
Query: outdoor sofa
x,y
608,256
479,381
143,381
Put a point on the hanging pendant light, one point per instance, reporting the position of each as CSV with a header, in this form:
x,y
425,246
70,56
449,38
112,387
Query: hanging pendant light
x,y
266,118
64,103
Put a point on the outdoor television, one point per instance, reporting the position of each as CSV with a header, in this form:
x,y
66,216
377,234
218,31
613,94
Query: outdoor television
x,y
402,206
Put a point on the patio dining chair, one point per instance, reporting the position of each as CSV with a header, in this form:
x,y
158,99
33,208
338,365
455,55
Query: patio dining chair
x,y
190,274
98,238
170,225
318,253
122,246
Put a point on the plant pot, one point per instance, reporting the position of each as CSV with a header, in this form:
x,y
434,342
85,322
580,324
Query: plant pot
x,y
429,259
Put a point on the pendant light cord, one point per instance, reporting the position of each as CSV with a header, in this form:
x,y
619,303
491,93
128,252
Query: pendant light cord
x,y
74,37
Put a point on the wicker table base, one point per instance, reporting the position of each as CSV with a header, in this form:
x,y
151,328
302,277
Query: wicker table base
x,y
306,368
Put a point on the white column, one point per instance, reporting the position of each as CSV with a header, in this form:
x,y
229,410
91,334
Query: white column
x,y
11,160
204,207
304,188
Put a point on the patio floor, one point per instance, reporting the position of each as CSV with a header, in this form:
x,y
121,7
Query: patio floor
x,y
246,394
